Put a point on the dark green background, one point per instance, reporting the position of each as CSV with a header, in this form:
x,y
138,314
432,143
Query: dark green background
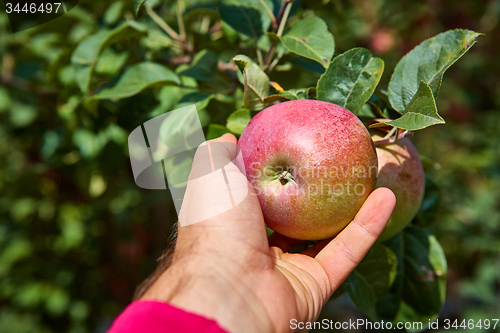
x,y
77,235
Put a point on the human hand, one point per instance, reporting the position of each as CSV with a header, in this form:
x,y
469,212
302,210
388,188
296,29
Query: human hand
x,y
225,268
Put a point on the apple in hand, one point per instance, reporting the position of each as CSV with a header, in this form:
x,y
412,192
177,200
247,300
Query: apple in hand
x,y
400,170
312,165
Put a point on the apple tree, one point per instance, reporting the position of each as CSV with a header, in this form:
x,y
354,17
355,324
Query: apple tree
x,y
400,280
80,83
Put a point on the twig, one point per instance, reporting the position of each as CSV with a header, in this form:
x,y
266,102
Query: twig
x,y
397,136
391,133
269,54
269,13
282,11
180,19
278,29
276,60
284,18
176,61
171,32
259,56
405,134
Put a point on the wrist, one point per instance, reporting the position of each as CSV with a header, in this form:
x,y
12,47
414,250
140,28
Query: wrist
x,y
202,287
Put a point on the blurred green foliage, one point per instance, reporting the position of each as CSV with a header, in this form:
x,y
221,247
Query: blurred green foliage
x,y
77,235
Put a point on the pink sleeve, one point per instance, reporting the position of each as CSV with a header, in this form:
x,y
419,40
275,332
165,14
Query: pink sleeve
x,y
155,317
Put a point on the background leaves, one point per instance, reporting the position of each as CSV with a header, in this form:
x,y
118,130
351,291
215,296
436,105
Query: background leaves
x,y
372,278
247,17
135,79
85,56
77,235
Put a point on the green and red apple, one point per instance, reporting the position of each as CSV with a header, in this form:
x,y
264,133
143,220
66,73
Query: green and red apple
x,y
400,170
312,165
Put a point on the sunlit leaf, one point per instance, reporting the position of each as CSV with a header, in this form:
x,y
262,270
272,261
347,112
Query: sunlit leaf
x,y
215,131
351,79
310,38
238,120
421,112
256,83
427,62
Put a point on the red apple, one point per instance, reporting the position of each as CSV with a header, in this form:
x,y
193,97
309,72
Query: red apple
x,y
312,165
400,170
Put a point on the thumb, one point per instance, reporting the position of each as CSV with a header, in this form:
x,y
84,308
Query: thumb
x,y
213,155
215,184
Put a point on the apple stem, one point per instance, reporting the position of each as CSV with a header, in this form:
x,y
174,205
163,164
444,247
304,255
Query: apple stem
x,y
391,133
393,139
285,177
396,137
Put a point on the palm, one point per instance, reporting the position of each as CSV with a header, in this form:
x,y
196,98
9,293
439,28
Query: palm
x,y
302,282
242,279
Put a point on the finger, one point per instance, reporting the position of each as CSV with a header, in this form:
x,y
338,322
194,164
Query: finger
x,y
213,154
345,251
215,184
283,242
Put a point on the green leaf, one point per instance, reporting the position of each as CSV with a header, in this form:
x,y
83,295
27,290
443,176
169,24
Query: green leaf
x,y
291,95
372,278
256,83
113,13
203,66
86,54
351,79
311,39
421,112
208,9
134,80
246,16
418,293
425,269
199,99
238,120
177,129
427,62
216,130
430,203
138,5
362,295
156,40
178,173
242,61
110,62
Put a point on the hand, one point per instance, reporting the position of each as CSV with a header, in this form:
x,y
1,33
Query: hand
x,y
225,268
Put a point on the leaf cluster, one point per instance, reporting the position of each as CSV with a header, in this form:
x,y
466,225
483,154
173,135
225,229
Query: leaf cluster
x,y
75,88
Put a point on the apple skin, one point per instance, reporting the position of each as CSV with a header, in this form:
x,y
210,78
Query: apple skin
x,y
312,165
400,170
